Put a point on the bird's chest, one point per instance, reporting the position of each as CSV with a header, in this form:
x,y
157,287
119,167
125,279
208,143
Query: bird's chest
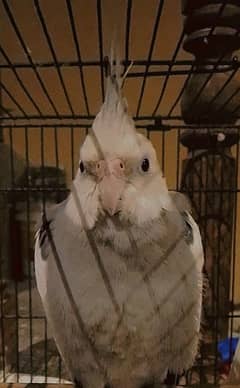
x,y
133,314
122,301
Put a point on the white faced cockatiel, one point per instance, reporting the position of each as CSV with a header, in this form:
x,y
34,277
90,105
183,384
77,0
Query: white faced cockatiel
x,y
119,262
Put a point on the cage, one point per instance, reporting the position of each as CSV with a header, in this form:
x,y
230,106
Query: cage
x,y
183,90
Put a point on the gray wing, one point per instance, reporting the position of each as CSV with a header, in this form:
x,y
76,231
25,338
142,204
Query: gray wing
x,y
181,201
43,246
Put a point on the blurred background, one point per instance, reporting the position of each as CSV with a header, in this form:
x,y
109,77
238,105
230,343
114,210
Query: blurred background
x,y
183,91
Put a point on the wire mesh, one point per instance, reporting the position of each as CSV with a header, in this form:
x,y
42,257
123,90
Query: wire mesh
x,y
52,84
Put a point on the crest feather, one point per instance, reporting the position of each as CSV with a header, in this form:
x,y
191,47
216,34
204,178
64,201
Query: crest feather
x,y
114,108
113,130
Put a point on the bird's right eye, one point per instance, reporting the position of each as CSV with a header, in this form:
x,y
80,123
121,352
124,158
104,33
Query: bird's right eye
x,y
145,165
81,166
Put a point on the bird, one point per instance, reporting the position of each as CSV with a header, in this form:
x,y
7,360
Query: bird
x,y
119,262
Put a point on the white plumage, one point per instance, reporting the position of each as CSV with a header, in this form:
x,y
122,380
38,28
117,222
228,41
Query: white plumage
x,y
132,258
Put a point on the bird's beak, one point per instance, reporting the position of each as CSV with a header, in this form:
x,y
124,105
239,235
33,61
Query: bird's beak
x,y
111,184
111,189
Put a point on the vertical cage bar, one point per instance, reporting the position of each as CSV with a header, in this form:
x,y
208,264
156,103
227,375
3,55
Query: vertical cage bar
x,y
9,94
56,151
178,161
100,43
13,212
45,352
43,183
59,368
217,277
76,42
163,153
72,151
154,35
234,251
201,358
2,286
180,94
26,133
179,44
27,53
2,323
42,167
20,82
53,53
128,28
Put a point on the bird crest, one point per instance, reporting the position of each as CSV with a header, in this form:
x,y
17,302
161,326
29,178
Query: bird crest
x,y
113,120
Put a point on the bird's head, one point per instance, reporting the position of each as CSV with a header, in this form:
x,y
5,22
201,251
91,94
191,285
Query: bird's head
x,y
119,174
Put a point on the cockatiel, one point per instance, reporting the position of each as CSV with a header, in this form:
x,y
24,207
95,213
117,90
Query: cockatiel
x,y
119,262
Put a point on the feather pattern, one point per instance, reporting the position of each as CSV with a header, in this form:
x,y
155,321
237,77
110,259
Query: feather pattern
x,y
135,277
112,121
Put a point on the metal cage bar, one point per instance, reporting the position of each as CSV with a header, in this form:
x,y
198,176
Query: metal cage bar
x,y
41,130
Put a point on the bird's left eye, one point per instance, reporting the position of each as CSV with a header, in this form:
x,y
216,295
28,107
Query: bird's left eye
x,y
81,166
145,165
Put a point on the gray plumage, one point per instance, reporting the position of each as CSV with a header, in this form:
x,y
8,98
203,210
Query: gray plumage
x,y
131,255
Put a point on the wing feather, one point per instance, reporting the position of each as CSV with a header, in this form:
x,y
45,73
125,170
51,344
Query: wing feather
x,y
42,247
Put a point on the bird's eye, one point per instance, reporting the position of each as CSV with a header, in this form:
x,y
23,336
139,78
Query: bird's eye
x,y
145,165
81,166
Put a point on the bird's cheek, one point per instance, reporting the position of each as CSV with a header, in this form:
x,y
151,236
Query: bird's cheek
x,y
128,203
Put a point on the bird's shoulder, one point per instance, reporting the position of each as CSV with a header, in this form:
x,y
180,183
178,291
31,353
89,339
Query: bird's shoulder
x,y
45,243
45,228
